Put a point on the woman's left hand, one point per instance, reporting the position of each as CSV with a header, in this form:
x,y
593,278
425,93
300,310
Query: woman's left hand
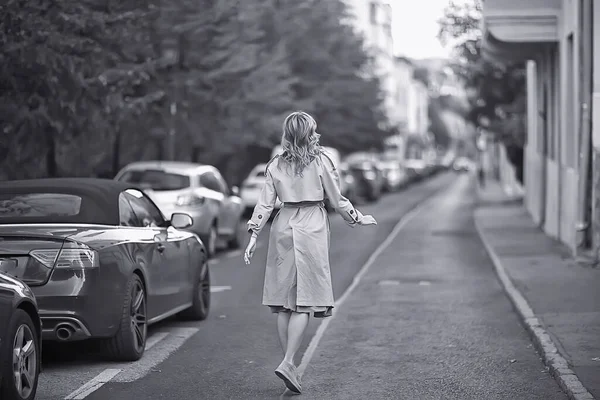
x,y
250,250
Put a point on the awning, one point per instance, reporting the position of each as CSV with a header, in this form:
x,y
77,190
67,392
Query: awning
x,y
515,30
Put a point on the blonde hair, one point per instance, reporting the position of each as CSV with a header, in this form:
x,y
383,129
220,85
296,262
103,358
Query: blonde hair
x,y
300,141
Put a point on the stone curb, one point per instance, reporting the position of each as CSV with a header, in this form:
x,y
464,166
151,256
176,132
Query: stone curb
x,y
556,363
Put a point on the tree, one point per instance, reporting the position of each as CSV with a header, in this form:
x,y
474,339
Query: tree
x,y
495,86
60,80
88,86
335,79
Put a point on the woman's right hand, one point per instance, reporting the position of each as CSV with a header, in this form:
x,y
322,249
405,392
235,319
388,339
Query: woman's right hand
x,y
367,220
250,250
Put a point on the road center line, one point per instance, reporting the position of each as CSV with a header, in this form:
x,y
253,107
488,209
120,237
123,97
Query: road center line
x,y
314,342
217,289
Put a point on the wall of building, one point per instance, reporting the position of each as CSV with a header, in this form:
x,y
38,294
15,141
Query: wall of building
x,y
595,110
554,166
373,20
403,80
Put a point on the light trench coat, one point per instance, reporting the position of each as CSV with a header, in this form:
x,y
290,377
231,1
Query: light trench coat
x,y
297,274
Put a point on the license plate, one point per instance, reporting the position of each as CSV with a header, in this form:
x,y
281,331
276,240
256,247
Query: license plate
x,y
9,266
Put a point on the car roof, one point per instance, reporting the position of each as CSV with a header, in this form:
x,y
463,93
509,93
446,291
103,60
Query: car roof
x,y
181,167
99,205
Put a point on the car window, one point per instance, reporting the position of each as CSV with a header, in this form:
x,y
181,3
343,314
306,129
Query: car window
x,y
156,179
224,186
210,181
127,216
39,205
146,212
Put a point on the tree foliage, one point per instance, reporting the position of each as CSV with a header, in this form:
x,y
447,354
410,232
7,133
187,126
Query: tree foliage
x,y
498,103
87,86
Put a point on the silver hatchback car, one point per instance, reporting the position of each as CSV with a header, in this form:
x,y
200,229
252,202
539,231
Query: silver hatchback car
x,y
195,189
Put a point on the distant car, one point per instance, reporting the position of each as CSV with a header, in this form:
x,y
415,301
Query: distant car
x,y
347,182
195,189
463,164
417,168
101,259
20,336
394,175
252,186
367,173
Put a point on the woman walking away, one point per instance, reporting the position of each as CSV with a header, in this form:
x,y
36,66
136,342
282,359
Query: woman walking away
x,y
297,275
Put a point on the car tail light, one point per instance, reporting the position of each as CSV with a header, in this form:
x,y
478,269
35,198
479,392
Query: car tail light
x,y
189,200
71,255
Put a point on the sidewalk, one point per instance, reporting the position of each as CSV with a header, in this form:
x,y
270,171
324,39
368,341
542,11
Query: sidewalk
x,y
427,320
557,299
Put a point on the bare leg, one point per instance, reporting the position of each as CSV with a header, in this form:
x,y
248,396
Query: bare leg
x,y
296,329
283,319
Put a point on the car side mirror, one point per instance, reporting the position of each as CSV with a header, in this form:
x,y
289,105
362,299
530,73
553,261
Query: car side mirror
x,y
235,190
181,221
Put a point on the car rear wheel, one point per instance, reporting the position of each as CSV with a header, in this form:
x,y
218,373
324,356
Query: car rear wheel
x,y
201,300
20,374
210,240
130,341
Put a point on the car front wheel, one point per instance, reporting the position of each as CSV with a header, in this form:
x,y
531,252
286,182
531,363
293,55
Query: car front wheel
x,y
130,341
21,359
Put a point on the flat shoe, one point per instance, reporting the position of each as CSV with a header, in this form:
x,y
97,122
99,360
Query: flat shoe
x,y
287,372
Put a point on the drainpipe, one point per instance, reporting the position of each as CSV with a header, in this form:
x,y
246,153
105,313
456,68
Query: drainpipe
x,y
583,226
583,215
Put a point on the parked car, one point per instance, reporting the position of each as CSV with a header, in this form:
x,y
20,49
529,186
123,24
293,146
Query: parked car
x,y
416,168
394,176
252,186
367,174
195,189
101,260
463,164
347,182
20,335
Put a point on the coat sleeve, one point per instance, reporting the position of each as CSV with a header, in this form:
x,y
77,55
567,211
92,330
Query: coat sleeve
x,y
331,185
264,206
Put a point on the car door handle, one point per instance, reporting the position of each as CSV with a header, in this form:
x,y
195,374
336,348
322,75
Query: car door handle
x,y
160,247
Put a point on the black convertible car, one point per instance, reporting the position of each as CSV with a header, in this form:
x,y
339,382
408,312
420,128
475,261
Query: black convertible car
x,y
20,339
101,260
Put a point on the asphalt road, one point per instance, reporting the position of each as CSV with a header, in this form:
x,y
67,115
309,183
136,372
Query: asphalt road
x,y
233,353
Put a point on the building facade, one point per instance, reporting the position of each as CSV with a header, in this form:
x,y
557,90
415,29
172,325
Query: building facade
x,y
411,99
560,42
373,20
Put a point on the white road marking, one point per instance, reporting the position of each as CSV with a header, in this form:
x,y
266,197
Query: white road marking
x,y
389,283
312,346
91,386
157,337
160,352
217,289
158,347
